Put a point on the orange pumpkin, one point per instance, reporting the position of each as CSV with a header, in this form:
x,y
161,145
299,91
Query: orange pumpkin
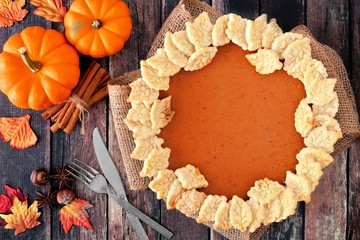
x,y
98,28
38,68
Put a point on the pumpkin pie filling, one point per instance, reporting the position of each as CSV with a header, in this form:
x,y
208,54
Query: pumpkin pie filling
x,y
234,124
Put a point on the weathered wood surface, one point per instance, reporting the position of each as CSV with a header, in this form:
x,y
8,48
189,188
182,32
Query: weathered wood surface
x,y
333,213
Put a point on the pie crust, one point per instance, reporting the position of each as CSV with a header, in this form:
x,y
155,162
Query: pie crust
x,y
192,49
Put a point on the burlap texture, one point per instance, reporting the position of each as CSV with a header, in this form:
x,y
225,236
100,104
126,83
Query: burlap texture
x,y
188,10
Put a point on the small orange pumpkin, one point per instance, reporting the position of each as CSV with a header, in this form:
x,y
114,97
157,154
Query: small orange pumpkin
x,y
38,68
98,28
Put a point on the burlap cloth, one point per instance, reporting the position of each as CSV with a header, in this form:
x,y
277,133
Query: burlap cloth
x,y
187,10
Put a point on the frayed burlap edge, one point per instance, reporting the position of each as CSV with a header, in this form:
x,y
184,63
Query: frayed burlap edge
x,y
188,10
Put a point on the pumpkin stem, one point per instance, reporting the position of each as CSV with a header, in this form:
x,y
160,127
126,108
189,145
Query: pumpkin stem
x,y
33,65
96,24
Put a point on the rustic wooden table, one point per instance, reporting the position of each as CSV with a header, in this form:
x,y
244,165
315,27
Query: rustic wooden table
x,y
333,213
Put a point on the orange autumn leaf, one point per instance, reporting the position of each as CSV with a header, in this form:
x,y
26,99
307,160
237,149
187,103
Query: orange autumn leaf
x,y
51,10
22,217
11,12
17,131
75,214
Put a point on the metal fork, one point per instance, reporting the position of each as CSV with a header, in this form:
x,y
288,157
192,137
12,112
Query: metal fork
x,y
97,183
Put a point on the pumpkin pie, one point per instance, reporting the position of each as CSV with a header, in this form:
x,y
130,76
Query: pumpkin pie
x,y
234,121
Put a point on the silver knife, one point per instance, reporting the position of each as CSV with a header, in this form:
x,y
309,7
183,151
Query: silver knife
x,y
108,167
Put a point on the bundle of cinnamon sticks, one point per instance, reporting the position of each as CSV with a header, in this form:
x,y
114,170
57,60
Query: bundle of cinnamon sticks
x,y
91,88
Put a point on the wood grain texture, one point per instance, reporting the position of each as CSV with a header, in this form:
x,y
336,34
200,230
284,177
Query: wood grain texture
x,y
248,8
329,200
288,13
353,218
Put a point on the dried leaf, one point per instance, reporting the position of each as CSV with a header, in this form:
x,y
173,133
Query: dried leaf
x,y
5,204
75,214
12,193
22,217
11,12
7,200
51,10
18,132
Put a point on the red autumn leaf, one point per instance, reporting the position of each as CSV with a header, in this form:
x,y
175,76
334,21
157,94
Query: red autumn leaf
x,y
75,214
51,10
6,201
18,132
11,12
12,193
22,217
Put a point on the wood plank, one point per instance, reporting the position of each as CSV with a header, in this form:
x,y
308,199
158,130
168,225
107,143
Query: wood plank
x,y
326,213
288,13
353,218
247,9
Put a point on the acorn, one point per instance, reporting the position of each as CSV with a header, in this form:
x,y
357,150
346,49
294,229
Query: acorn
x,y
39,177
65,196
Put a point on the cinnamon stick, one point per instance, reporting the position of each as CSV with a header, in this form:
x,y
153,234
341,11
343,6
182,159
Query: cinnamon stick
x,y
91,88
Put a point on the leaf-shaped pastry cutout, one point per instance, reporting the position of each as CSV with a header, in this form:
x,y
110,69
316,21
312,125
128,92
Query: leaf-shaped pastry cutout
x,y
181,42
266,61
219,37
190,202
300,184
151,76
240,213
201,58
330,108
22,217
328,121
162,182
320,92
303,66
270,33
51,10
174,194
264,191
11,12
139,112
323,138
162,63
222,217
75,214
18,132
209,207
190,177
161,113
304,119
259,213
141,92
253,32
199,31
311,169
174,54
317,154
282,41
295,52
236,30
143,146
158,159
141,130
